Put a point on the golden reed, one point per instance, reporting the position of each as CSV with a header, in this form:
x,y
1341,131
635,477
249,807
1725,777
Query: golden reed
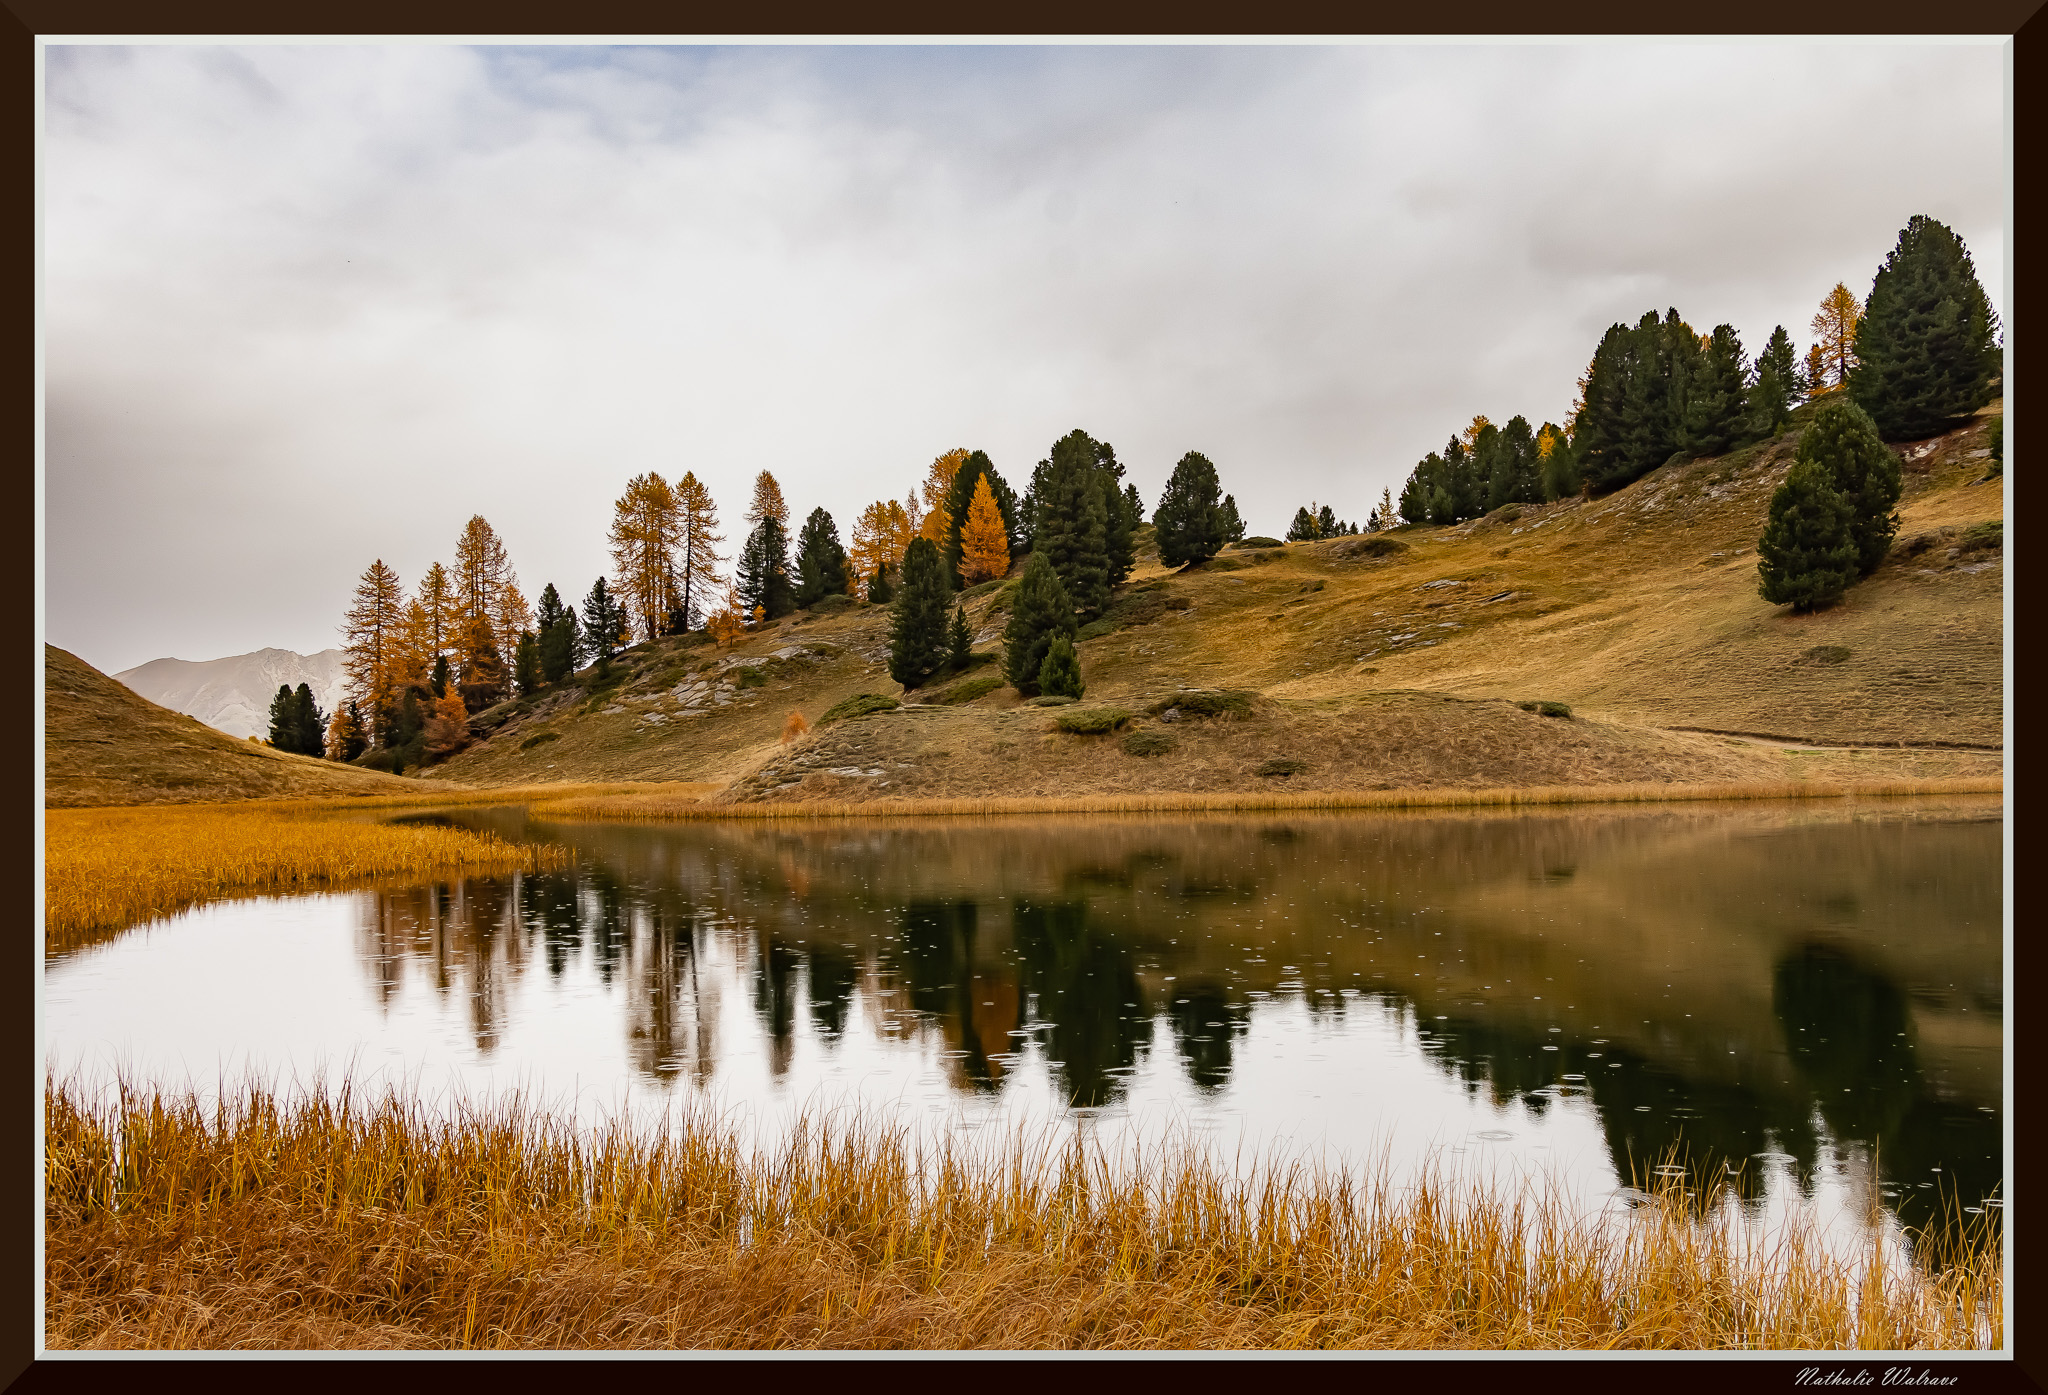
x,y
104,869
334,1222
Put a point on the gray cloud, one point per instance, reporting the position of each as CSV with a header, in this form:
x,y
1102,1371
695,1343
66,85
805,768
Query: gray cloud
x,y
307,306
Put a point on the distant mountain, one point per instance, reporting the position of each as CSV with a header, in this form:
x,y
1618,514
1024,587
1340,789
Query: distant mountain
x,y
233,695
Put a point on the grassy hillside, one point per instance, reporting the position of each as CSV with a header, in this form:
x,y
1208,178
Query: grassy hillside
x,y
1395,661
103,744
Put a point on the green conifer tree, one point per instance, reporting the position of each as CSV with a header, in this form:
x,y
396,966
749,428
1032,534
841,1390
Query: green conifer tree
x,y
1716,396
1119,520
1303,528
763,580
1073,521
1059,675
309,721
1927,345
604,621
880,591
1233,526
284,734
1559,470
1775,388
439,679
1807,554
917,617
959,639
526,669
1843,440
558,636
1041,612
1189,525
821,560
354,742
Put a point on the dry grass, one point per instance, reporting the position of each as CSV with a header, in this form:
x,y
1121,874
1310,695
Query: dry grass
x,y
326,1224
667,806
108,868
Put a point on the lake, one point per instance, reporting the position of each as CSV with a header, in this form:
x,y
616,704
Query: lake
x,y
1810,994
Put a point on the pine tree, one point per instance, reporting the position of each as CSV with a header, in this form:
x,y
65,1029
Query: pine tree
x,y
1834,333
820,560
1386,507
557,637
880,592
646,530
284,720
1041,613
763,578
1233,526
1775,388
1927,348
1189,526
1559,466
1303,528
1807,554
1714,405
1060,673
959,639
697,586
983,542
309,723
526,671
604,621
917,618
370,636
408,721
1843,440
1635,397
1072,523
438,681
1119,522
1327,525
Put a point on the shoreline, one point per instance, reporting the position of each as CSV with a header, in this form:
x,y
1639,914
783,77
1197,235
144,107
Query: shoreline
x,y
666,807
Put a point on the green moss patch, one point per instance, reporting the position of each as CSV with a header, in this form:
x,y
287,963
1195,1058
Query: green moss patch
x,y
1092,721
859,705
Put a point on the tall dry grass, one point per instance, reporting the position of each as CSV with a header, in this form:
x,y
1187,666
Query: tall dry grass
x,y
105,869
336,1223
689,807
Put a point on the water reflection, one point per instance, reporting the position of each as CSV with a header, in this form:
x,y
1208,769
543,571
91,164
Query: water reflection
x,y
1762,989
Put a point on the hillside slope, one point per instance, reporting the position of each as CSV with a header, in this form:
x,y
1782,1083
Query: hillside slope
x,y
1386,662
233,694
104,744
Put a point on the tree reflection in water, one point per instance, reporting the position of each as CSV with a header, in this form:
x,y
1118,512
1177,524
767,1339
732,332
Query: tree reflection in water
x,y
1110,940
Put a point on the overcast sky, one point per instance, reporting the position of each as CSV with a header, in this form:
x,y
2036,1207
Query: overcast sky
x,y
309,306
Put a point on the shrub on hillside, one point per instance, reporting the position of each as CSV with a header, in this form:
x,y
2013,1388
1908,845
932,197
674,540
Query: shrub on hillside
x,y
1148,743
1215,702
1279,766
1091,721
859,705
1253,544
1060,674
1547,709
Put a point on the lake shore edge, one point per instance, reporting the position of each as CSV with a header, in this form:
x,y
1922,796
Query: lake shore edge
x,y
668,807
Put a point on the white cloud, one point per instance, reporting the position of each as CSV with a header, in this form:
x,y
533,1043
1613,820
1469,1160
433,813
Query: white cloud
x,y
308,306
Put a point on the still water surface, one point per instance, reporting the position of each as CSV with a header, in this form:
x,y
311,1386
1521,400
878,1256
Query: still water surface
x,y
1811,995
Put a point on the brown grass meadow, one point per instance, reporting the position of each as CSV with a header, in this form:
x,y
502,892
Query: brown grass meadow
x,y
336,1223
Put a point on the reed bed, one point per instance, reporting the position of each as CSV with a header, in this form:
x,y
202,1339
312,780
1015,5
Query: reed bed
x,y
334,1222
105,869
665,806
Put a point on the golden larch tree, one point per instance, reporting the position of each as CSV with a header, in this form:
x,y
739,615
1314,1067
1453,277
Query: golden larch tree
x,y
1834,331
438,596
1471,433
646,528
768,502
514,616
413,656
447,725
370,638
880,535
938,483
1816,371
696,581
481,571
344,732
984,542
